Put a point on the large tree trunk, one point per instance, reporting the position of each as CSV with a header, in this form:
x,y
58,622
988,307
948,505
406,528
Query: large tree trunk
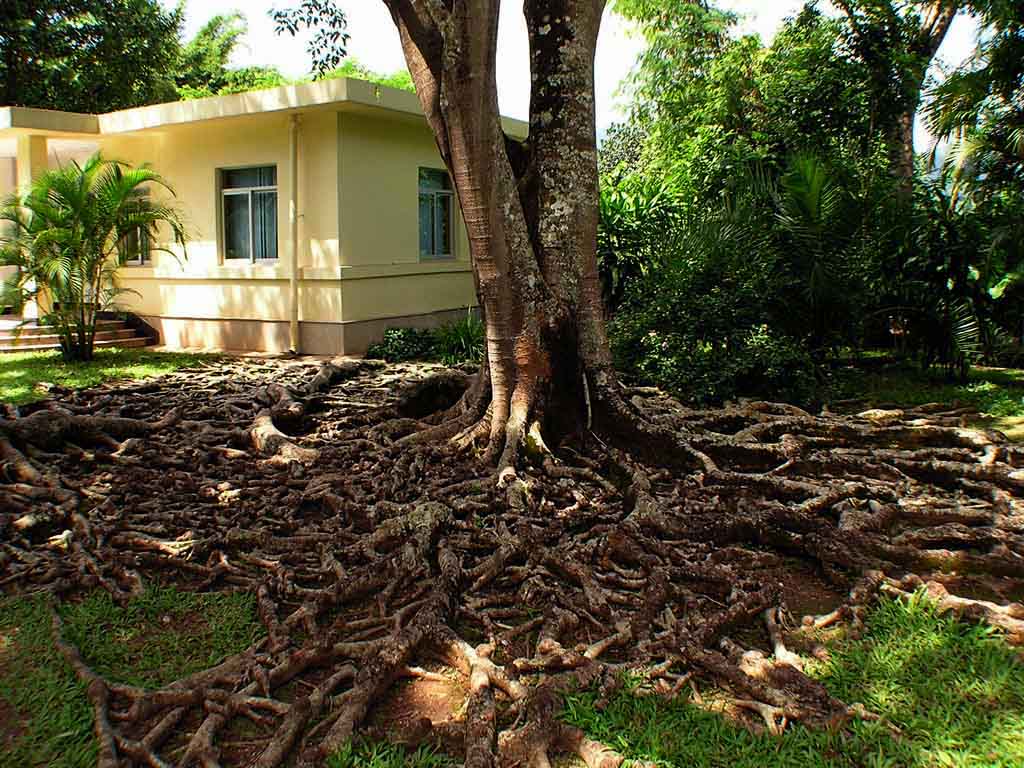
x,y
530,210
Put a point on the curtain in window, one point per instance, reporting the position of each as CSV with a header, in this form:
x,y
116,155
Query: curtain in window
x,y
264,217
236,226
426,224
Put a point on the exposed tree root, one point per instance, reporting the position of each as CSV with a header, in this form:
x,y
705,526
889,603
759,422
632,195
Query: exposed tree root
x,y
373,540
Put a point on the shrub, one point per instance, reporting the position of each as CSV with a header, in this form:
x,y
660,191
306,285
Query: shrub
x,y
460,342
703,325
402,344
70,233
451,344
759,363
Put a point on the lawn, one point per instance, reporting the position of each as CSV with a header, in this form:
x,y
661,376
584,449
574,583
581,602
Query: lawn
x,y
28,376
955,692
45,718
996,393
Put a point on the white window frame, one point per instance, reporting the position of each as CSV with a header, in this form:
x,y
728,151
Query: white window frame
x,y
436,196
247,192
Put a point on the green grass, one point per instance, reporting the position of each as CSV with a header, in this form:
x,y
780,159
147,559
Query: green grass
x,y
955,692
997,393
161,636
368,754
23,375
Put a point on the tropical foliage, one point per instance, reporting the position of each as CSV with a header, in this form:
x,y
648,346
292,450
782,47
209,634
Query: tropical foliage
x,y
101,55
71,231
88,55
754,227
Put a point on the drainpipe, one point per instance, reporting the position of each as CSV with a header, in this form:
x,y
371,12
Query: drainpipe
x,y
293,223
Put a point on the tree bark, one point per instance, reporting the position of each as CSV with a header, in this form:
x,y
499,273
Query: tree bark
x,y
530,210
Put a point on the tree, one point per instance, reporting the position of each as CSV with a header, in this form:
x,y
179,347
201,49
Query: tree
x,y
327,22
88,55
531,213
70,233
353,68
980,107
898,40
204,67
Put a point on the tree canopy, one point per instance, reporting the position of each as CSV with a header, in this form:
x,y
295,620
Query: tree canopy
x,y
88,55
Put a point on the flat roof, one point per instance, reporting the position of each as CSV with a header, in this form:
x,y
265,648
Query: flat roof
x,y
354,94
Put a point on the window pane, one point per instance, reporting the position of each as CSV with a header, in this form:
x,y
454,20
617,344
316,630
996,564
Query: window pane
x,y
241,178
426,224
136,246
431,178
264,222
443,239
236,226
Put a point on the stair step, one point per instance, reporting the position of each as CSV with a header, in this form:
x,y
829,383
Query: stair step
x,y
48,330
10,340
132,341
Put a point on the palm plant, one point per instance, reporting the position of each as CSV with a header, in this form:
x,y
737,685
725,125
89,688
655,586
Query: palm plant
x,y
637,215
71,231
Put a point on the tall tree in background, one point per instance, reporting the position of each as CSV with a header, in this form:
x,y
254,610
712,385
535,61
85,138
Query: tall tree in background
x,y
87,55
204,68
980,107
327,23
897,40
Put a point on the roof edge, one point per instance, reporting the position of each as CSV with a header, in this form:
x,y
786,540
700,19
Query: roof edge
x,y
280,99
48,121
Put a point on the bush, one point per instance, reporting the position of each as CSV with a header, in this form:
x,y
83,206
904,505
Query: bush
x,y
757,364
402,344
461,342
703,325
451,344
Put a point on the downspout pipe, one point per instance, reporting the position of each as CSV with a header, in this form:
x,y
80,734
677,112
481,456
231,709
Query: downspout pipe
x,y
293,225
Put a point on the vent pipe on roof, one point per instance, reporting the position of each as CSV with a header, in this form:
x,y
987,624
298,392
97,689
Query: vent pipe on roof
x,y
293,225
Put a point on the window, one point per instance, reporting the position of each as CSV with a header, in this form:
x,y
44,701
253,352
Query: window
x,y
249,210
436,201
135,247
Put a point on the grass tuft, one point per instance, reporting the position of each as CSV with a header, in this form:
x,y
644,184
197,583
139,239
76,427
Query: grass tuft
x,y
159,637
28,376
955,691
369,754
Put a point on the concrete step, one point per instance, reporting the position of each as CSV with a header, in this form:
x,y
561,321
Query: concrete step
x,y
129,341
49,330
10,340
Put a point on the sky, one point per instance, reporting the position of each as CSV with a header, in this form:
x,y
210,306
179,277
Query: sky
x,y
374,42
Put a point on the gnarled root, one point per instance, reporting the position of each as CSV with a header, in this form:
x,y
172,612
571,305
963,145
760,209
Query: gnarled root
x,y
611,550
1008,619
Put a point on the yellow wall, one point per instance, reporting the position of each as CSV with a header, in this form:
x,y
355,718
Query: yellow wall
x,y
8,176
358,225
379,172
204,285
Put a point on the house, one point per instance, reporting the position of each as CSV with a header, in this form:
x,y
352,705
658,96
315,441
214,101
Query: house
x,y
319,214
